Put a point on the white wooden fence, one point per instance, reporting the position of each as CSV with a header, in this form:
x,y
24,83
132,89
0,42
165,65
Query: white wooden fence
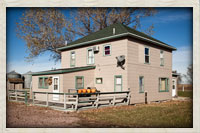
x,y
75,101
18,95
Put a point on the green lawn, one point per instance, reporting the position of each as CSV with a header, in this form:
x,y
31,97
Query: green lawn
x,y
185,94
169,114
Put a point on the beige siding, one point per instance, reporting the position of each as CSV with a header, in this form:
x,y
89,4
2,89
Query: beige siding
x,y
35,80
151,72
106,66
66,81
69,79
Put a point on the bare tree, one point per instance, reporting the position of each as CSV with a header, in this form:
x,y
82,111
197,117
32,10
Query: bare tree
x,y
45,29
189,75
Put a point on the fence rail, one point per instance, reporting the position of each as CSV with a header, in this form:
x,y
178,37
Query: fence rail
x,y
18,95
75,101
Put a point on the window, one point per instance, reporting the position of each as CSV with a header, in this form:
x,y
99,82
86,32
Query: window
x,y
79,82
163,84
107,50
141,84
90,56
55,83
146,52
118,83
161,58
99,80
40,82
43,83
72,59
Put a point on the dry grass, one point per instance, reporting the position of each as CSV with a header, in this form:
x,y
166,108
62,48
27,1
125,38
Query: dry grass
x,y
185,94
169,114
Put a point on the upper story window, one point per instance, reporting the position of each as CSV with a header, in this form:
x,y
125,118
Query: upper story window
x,y
107,50
146,53
90,56
72,59
161,58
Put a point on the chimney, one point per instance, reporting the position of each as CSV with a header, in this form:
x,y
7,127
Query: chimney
x,y
65,42
113,31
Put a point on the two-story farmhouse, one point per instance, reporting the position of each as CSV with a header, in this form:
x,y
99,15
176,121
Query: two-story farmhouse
x,y
91,61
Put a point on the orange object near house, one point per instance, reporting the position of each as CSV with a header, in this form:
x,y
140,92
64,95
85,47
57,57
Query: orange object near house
x,y
80,91
88,90
93,90
84,90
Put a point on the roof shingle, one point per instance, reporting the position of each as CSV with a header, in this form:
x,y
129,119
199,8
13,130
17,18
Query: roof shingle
x,y
107,33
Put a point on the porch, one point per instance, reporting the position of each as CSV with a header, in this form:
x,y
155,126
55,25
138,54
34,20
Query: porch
x,y
75,101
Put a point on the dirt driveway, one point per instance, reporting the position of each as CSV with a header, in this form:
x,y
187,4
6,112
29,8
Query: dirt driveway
x,y
20,115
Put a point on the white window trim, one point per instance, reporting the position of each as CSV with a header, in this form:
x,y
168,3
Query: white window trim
x,y
91,48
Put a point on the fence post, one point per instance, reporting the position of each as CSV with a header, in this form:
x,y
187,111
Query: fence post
x,y
64,101
33,97
47,98
16,95
26,98
76,106
129,97
97,102
113,100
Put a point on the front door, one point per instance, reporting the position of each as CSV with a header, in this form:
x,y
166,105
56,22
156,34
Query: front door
x,y
118,83
56,88
173,87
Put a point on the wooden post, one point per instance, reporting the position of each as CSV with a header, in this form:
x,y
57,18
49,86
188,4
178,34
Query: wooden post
x,y
145,97
33,97
47,98
129,97
26,98
114,100
64,101
76,106
97,101
16,95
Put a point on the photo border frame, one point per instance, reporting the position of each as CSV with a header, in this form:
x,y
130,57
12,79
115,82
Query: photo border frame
x,y
102,3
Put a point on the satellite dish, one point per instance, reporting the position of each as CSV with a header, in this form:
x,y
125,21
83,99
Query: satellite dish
x,y
120,61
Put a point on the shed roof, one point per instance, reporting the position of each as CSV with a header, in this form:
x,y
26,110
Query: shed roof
x,y
66,70
15,80
107,34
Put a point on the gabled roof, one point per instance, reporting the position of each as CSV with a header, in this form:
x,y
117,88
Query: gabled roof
x,y
13,73
107,34
66,70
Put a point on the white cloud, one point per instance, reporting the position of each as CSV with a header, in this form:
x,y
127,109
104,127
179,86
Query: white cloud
x,y
41,64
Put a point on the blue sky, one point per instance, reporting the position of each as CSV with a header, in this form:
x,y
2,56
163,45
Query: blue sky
x,y
171,25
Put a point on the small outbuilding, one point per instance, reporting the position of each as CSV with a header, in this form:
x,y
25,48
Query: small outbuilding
x,y
14,81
